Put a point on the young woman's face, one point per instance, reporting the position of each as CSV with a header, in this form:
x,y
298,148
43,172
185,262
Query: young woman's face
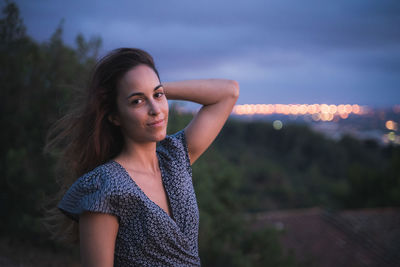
x,y
142,106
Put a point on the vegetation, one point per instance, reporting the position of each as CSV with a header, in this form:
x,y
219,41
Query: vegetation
x,y
251,167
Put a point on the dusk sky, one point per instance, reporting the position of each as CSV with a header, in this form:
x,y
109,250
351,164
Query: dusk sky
x,y
286,52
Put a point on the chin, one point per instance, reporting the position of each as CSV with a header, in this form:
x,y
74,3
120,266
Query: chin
x,y
160,136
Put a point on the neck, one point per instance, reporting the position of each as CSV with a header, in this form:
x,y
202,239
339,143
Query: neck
x,y
139,157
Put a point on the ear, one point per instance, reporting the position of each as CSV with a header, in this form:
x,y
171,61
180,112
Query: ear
x,y
113,118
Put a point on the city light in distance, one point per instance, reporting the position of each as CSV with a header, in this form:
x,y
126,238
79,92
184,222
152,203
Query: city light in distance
x,y
391,125
318,112
382,124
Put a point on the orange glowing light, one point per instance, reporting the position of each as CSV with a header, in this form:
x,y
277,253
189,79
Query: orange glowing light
x,y
293,109
311,109
341,109
270,108
356,109
303,109
326,116
264,109
252,109
241,110
236,109
348,108
285,109
257,109
324,108
332,109
391,125
278,108
248,109
318,112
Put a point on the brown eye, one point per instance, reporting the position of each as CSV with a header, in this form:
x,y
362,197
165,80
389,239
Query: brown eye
x,y
158,95
136,101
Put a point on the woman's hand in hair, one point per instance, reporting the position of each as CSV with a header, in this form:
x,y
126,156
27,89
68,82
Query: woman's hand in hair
x,y
218,96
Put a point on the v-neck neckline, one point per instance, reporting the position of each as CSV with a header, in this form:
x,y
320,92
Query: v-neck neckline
x,y
169,204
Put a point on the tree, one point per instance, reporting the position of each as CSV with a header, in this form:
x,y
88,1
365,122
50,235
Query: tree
x,y
37,83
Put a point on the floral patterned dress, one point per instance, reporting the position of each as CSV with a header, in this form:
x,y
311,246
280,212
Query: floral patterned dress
x,y
147,235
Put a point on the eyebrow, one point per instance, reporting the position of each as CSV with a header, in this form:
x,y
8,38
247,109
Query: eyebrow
x,y
140,93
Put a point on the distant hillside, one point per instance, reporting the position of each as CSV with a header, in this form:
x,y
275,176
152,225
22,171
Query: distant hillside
x,y
297,167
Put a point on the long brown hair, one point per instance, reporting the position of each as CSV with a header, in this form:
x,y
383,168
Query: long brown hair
x,y
85,136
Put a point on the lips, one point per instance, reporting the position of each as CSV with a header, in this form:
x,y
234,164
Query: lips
x,y
156,123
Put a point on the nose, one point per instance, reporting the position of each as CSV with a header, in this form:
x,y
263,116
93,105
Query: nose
x,y
154,108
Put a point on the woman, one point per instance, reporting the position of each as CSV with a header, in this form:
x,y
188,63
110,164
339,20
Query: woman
x,y
134,201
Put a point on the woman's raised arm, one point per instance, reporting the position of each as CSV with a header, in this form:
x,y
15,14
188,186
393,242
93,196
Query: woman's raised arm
x,y
218,96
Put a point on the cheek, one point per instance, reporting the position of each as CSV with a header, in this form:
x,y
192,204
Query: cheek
x,y
130,118
166,107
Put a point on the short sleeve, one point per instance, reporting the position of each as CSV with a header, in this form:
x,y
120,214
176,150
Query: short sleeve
x,y
175,148
95,191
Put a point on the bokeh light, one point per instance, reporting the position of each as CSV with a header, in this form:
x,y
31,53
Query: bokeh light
x,y
391,125
277,124
318,112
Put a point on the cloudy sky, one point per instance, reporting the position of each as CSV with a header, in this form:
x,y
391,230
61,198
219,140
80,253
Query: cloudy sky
x,y
280,51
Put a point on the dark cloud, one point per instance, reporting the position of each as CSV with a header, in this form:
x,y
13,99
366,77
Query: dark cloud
x,y
328,50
